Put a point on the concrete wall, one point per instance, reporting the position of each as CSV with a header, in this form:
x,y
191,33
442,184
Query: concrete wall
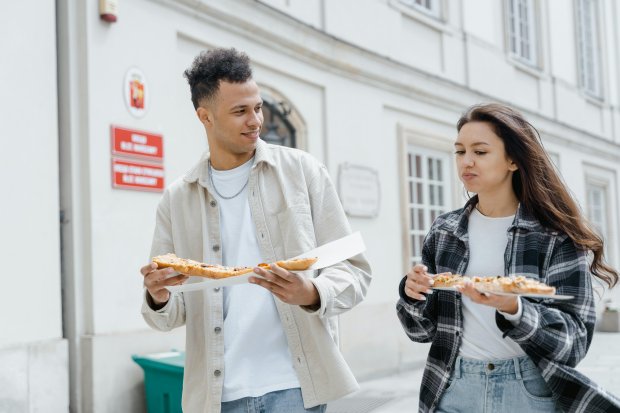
x,y
30,223
33,355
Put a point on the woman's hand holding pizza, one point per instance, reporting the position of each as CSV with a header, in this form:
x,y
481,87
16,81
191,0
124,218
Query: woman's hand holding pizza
x,y
156,281
419,282
505,304
288,286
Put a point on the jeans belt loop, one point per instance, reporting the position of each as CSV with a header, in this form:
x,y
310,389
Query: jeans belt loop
x,y
517,368
457,367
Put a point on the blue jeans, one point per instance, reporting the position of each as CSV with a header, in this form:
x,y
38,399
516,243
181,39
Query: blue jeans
x,y
282,401
512,385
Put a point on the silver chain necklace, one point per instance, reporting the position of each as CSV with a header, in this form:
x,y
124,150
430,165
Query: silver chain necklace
x,y
218,192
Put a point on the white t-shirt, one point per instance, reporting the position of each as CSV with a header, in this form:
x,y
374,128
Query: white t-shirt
x,y
257,359
482,339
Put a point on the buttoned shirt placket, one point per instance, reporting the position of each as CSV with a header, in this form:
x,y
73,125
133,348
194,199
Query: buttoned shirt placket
x,y
214,308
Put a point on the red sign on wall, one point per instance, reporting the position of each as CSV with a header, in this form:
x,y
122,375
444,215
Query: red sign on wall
x,y
130,174
137,143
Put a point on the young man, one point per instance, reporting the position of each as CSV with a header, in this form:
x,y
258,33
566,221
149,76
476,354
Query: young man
x,y
270,345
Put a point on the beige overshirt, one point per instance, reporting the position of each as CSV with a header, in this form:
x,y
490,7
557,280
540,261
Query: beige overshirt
x,y
295,208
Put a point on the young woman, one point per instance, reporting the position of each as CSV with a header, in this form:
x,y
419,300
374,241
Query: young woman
x,y
492,352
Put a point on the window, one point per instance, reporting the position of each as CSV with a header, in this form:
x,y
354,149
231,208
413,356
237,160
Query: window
x,y
601,207
555,160
430,7
276,128
429,194
522,30
589,64
597,208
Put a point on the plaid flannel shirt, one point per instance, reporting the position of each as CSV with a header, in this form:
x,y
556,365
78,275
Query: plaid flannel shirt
x,y
555,334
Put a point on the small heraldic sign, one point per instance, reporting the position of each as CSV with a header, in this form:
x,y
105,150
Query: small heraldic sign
x,y
131,174
136,92
140,144
359,190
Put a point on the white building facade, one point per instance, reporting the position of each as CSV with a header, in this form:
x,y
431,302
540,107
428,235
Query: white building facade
x,y
376,85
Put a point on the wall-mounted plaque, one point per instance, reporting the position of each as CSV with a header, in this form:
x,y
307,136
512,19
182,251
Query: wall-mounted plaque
x,y
359,190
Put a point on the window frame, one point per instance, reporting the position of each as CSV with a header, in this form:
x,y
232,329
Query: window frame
x,y
602,209
435,11
533,33
607,180
436,146
589,69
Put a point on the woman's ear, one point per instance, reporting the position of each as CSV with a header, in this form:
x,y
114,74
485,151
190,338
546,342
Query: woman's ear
x,y
513,166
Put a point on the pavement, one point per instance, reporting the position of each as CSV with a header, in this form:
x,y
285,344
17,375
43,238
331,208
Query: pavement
x,y
398,393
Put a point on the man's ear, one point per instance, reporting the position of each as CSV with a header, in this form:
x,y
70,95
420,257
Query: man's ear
x,y
205,116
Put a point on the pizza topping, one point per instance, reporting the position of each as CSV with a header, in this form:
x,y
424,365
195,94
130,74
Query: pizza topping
x,y
191,267
511,284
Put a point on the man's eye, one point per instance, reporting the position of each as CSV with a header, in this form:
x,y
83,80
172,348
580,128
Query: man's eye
x,y
459,152
480,153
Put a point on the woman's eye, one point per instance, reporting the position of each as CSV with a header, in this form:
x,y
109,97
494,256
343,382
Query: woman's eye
x,y
459,152
480,153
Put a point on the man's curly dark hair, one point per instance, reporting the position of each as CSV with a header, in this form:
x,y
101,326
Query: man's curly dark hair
x,y
210,67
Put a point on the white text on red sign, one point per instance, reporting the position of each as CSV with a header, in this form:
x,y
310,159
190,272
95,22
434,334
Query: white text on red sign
x,y
137,175
137,143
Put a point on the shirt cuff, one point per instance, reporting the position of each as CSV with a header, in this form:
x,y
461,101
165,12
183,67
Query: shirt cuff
x,y
324,298
150,305
401,292
516,317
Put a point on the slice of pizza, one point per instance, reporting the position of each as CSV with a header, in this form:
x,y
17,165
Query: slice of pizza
x,y
447,281
297,264
513,284
191,267
524,285
498,284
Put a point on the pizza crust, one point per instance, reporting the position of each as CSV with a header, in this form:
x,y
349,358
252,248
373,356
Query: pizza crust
x,y
298,264
191,267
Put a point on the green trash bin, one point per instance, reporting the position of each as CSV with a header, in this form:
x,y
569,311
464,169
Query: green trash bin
x,y
163,380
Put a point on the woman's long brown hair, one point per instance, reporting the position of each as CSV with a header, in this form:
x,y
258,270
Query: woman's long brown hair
x,y
538,186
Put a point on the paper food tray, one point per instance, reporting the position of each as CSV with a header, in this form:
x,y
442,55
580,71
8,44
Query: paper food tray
x,y
551,296
328,254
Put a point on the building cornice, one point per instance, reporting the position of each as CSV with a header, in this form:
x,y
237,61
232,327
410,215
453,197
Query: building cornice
x,y
302,42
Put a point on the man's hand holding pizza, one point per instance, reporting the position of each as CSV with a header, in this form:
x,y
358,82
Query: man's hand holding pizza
x,y
156,281
288,286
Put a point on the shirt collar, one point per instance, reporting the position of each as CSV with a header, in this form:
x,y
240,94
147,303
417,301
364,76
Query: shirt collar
x,y
200,172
